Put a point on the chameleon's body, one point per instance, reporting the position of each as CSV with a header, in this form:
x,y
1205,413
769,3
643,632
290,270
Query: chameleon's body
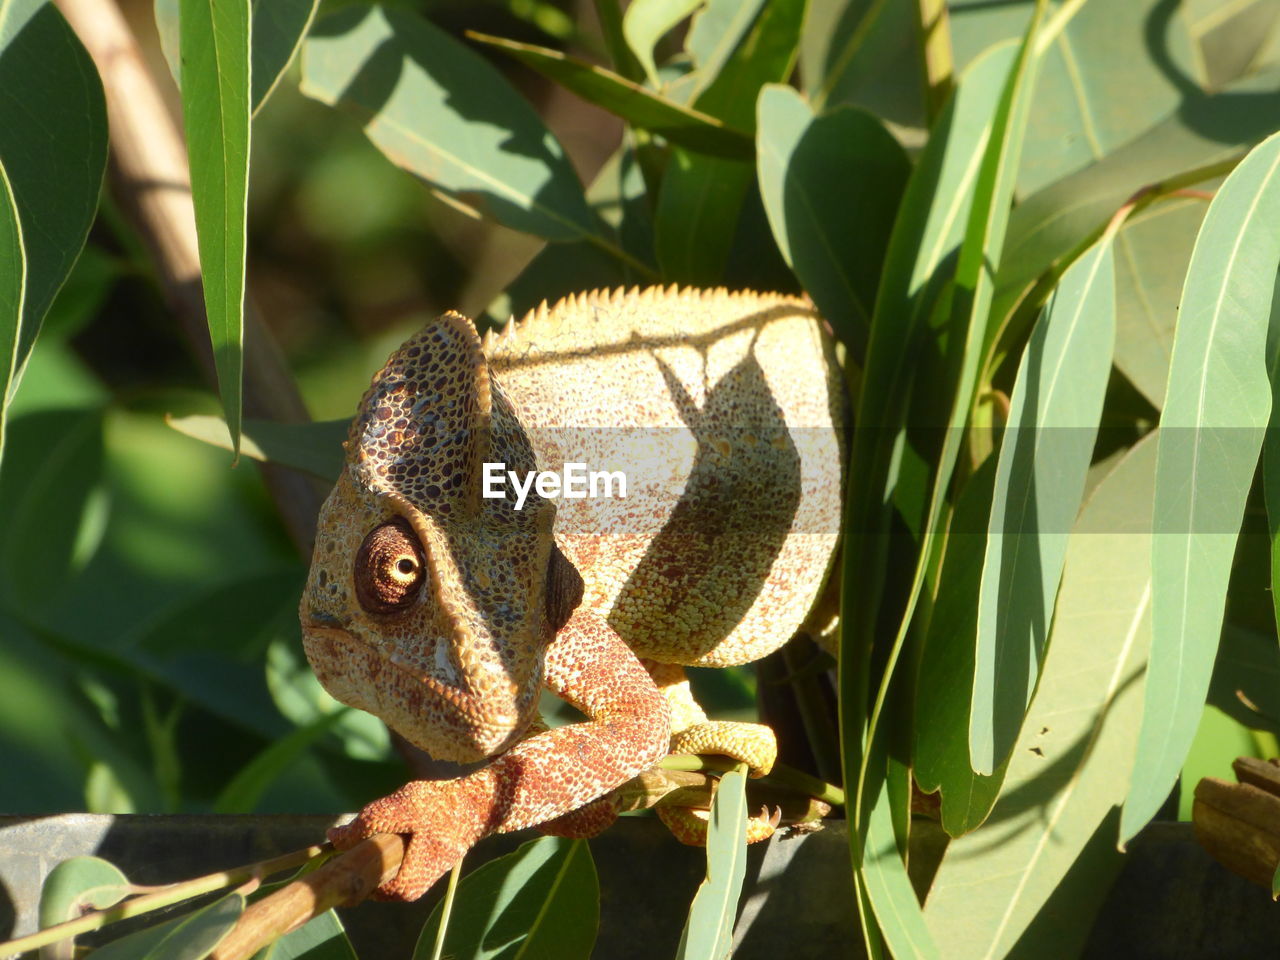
x,y
444,612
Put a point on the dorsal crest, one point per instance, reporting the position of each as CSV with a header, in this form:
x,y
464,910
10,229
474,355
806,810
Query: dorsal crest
x,y
424,424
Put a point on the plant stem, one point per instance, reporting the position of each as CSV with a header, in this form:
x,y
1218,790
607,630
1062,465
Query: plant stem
x,y
162,897
781,775
446,908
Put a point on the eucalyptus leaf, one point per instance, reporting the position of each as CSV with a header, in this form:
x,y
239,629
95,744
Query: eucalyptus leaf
x,y
1212,426
314,448
80,884
190,937
1045,453
53,151
646,22
214,45
279,27
13,274
1070,767
640,107
438,110
831,186
542,901
320,938
708,931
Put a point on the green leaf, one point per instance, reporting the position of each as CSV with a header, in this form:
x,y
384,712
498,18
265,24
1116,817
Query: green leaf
x,y
980,254
53,149
714,35
543,900
1231,35
190,937
646,22
320,938
277,32
246,788
701,197
1215,414
896,909
708,931
1203,139
13,273
314,448
80,884
866,53
1044,455
1070,767
1153,249
640,107
831,186
1246,678
940,760
53,507
438,110
214,41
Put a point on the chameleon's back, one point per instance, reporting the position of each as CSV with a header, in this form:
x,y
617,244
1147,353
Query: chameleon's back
x,y
724,412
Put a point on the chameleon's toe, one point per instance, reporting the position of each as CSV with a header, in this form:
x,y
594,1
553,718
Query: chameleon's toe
x,y
752,743
585,822
436,828
689,824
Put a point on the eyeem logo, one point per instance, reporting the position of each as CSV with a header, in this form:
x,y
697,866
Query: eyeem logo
x,y
574,482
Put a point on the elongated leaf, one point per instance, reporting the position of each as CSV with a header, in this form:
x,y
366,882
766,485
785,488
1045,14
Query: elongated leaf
x,y
438,110
980,255
13,275
1153,250
314,448
246,788
896,909
945,687
190,937
1215,414
647,21
702,197
1044,456
1207,134
708,932
53,148
918,267
543,900
214,40
1070,767
637,105
320,938
715,33
277,32
80,884
831,186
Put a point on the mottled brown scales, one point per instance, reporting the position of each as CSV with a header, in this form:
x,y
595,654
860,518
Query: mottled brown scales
x,y
724,412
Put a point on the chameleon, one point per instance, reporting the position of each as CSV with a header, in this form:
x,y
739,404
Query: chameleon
x,y
444,604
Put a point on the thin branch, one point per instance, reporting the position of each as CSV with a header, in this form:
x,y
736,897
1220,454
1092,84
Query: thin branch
x,y
150,179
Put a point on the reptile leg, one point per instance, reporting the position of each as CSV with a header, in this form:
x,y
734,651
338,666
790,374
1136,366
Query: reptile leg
x,y
541,777
691,732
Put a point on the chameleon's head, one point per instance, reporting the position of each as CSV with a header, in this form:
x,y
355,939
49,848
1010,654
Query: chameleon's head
x,y
427,604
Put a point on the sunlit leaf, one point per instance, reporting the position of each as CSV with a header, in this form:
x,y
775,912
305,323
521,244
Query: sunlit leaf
x,y
708,932
440,111
1070,767
1044,455
637,105
80,884
714,34
278,29
645,23
314,447
831,186
214,43
1215,414
543,900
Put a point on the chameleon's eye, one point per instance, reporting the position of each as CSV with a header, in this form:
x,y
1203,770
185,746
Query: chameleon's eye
x,y
389,568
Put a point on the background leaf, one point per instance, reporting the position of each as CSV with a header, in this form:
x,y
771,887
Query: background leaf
x,y
1215,413
214,41
315,448
647,21
13,273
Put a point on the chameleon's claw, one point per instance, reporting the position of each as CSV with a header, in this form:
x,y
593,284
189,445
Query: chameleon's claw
x,y
689,824
432,817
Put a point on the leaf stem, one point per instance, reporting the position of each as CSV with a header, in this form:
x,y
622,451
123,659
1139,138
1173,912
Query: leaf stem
x,y
163,897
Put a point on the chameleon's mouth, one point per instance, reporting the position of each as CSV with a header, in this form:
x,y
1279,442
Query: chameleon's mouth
x,y
447,720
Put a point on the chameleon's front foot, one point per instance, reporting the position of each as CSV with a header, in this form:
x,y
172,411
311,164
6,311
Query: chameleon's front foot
x,y
440,821
751,743
689,825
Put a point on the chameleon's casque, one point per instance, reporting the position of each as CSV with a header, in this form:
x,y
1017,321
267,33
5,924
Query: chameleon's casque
x,y
444,612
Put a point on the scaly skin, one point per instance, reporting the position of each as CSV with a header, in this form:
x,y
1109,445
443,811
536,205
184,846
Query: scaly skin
x,y
444,613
